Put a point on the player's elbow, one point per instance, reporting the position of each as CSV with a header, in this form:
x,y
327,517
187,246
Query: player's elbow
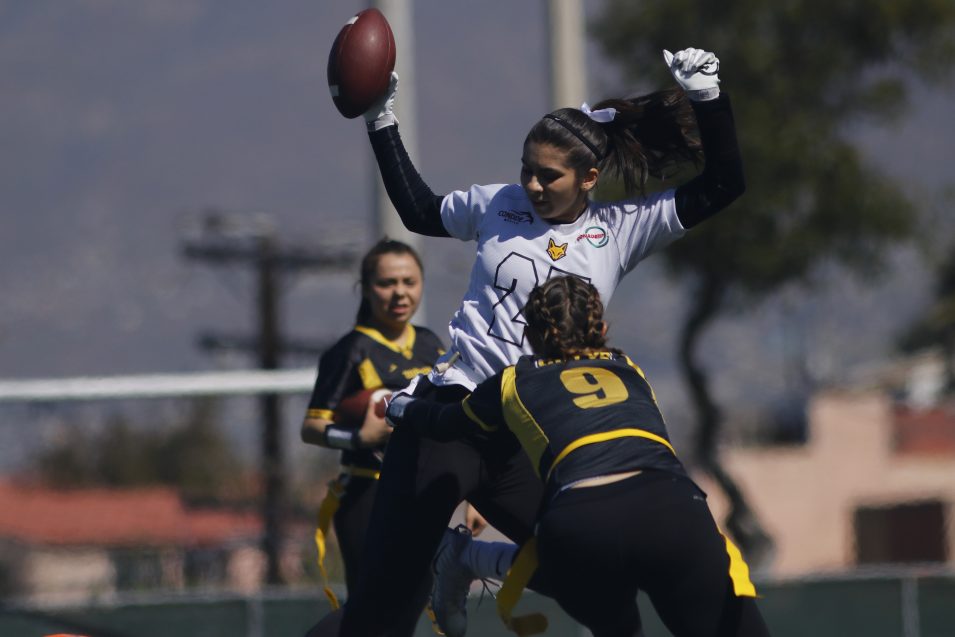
x,y
727,190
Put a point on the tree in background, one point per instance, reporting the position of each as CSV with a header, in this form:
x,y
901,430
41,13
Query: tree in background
x,y
192,455
801,73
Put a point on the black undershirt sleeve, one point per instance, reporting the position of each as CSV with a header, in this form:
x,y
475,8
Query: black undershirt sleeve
x,y
418,207
721,181
439,421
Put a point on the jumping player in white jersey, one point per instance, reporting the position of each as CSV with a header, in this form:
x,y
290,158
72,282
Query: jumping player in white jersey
x,y
525,233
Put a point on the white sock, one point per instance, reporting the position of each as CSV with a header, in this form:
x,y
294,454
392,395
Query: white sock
x,y
489,560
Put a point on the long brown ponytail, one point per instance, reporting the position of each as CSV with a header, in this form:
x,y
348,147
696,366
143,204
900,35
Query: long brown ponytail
x,y
648,137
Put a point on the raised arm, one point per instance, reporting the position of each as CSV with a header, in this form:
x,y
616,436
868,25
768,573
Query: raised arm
x,y
418,207
721,180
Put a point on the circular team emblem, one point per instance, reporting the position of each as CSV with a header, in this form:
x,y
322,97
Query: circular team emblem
x,y
595,236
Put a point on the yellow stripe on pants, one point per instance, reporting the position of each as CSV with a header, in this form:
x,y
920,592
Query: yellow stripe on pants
x,y
325,514
326,511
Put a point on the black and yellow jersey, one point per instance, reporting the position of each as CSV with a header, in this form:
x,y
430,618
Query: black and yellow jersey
x,y
365,359
586,416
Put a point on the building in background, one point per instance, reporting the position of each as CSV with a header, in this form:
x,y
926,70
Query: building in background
x,y
874,484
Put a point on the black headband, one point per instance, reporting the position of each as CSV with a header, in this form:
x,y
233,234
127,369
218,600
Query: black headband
x,y
576,134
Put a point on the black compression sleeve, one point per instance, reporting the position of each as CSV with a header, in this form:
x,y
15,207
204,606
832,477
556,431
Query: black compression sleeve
x,y
418,207
721,181
439,421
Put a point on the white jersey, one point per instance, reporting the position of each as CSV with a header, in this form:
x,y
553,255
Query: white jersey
x,y
517,250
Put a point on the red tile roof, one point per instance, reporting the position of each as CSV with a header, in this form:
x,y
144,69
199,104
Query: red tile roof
x,y
925,431
114,517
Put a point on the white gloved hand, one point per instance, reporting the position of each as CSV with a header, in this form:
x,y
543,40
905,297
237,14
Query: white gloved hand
x,y
381,114
696,71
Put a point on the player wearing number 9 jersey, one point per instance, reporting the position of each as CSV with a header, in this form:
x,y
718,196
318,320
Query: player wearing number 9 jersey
x,y
554,407
525,233
620,513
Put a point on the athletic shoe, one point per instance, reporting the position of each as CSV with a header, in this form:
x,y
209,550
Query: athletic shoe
x,y
452,582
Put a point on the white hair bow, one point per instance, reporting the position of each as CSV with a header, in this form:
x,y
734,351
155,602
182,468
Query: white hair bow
x,y
601,115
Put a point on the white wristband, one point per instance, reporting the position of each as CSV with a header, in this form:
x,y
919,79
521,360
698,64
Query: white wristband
x,y
386,120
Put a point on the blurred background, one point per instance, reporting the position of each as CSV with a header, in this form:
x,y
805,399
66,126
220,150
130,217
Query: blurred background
x,y
184,208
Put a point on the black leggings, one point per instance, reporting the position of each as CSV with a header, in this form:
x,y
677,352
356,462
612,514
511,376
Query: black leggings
x,y
599,546
422,482
351,523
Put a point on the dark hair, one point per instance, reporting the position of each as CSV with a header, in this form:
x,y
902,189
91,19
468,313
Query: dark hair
x,y
648,136
564,317
369,263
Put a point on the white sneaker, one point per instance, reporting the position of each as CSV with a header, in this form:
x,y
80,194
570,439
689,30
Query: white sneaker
x,y
452,582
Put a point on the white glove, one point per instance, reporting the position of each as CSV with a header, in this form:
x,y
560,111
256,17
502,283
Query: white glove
x,y
696,71
381,114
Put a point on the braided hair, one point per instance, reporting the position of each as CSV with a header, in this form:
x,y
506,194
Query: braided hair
x,y
565,318
648,137
369,264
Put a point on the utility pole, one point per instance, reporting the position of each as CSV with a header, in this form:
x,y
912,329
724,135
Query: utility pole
x,y
258,248
565,38
400,14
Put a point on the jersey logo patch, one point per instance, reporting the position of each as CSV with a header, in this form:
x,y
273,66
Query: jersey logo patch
x,y
595,236
555,251
516,216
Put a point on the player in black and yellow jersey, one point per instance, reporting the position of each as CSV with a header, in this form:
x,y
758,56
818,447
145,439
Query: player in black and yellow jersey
x,y
383,350
621,515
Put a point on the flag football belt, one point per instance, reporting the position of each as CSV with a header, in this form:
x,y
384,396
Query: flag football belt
x,y
326,511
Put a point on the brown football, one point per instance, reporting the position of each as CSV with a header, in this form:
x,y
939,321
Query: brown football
x,y
360,63
351,410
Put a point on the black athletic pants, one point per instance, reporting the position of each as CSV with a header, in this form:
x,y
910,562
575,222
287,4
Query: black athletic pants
x,y
351,522
422,482
599,546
